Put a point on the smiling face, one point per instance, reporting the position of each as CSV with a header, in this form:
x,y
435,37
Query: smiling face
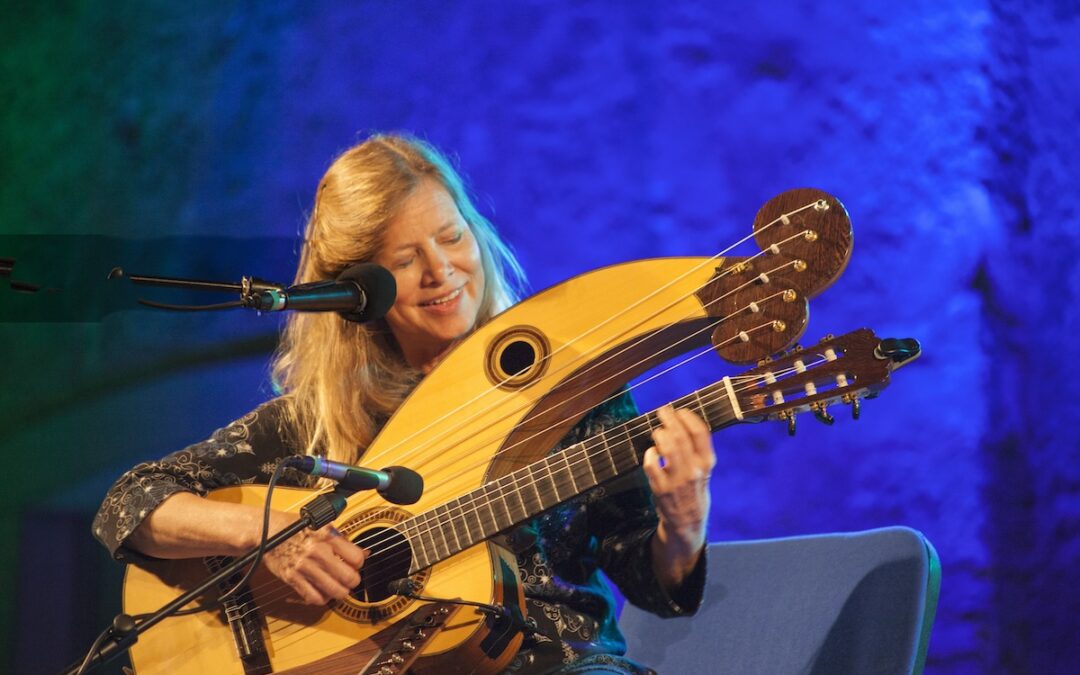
x,y
435,260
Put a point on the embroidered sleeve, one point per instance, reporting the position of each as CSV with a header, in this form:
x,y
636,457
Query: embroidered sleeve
x,y
245,451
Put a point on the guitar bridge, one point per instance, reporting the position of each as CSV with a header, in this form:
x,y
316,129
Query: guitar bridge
x,y
402,650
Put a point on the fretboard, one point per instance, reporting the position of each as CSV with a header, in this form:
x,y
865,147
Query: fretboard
x,y
442,531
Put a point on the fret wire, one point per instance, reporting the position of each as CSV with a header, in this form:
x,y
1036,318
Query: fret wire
x,y
451,521
588,463
551,479
507,493
579,467
608,454
495,500
470,516
532,482
629,443
629,451
701,407
491,509
569,471
462,521
407,527
439,536
515,491
429,533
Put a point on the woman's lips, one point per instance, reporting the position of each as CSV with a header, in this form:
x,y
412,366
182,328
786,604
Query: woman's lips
x,y
446,303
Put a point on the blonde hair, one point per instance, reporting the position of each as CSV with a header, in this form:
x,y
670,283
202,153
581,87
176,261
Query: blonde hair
x,y
341,379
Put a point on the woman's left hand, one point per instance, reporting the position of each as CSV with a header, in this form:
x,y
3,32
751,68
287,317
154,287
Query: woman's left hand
x,y
681,489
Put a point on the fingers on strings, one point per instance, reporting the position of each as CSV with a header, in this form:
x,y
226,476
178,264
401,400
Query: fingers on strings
x,y
682,448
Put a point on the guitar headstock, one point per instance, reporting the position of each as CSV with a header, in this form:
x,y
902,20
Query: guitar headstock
x,y
761,301
846,368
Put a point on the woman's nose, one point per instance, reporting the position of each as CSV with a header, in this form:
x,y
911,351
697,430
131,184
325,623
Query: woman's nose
x,y
439,268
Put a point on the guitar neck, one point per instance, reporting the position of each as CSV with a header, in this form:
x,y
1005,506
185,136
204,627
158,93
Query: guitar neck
x,y
441,532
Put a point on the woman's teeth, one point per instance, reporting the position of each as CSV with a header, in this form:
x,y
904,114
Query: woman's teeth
x,y
445,299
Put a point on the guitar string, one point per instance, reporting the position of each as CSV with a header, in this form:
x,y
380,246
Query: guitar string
x,y
594,386
462,508
447,517
774,248
783,218
602,382
588,456
278,632
470,404
484,442
592,365
433,526
476,503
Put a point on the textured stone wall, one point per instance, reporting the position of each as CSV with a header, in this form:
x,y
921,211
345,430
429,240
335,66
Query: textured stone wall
x,y
599,132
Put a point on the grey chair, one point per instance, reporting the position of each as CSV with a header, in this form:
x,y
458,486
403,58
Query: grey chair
x,y
860,603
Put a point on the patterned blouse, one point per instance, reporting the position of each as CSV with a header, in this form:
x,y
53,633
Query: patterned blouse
x,y
561,554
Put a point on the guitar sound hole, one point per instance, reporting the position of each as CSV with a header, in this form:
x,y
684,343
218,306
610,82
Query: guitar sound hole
x,y
518,357
389,558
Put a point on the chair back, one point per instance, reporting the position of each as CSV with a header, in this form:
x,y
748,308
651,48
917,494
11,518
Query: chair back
x,y
857,603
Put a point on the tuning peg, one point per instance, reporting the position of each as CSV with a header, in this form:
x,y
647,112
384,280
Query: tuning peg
x,y
854,401
822,414
790,417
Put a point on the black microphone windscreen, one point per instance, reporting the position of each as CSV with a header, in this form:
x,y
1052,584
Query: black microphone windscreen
x,y
406,486
404,586
379,287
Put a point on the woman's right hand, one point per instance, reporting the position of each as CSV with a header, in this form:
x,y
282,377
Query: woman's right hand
x,y
320,565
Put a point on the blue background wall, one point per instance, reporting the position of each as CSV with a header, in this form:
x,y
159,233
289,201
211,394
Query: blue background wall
x,y
594,132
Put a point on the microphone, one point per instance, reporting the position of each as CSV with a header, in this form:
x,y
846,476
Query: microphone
x,y
363,292
396,484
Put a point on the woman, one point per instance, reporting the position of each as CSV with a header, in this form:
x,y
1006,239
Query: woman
x,y
395,201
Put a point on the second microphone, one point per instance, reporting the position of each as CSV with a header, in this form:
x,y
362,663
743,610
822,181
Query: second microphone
x,y
396,484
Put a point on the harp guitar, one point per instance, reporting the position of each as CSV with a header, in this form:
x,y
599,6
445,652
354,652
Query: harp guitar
x,y
479,427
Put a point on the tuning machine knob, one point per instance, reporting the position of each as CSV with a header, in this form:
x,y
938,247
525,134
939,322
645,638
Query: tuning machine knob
x,y
790,417
854,401
821,414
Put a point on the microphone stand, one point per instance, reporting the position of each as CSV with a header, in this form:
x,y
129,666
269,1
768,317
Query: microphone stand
x,y
124,632
249,288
